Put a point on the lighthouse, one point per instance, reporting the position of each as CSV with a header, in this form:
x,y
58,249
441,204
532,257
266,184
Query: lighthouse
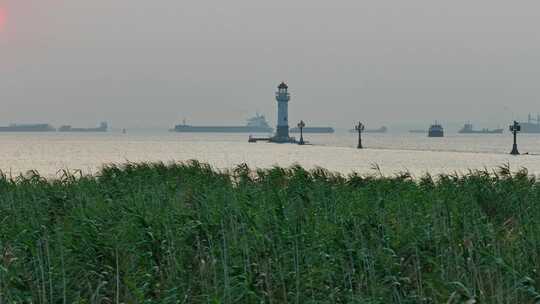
x,y
282,97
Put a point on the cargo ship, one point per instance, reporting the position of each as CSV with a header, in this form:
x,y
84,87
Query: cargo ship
x,y
436,130
257,124
28,128
103,127
314,130
468,129
531,126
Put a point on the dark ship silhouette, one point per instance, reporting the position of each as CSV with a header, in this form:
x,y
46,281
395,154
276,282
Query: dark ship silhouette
x,y
103,127
28,128
436,130
256,124
468,129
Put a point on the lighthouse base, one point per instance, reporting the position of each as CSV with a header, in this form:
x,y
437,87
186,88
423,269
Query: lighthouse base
x,y
282,131
282,135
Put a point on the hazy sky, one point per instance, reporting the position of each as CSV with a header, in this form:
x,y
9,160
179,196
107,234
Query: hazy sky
x,y
152,63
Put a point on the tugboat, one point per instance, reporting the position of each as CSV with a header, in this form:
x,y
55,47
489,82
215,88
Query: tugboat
x,y
257,124
436,130
468,129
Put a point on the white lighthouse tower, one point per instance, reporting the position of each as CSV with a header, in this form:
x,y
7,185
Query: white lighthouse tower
x,y
282,97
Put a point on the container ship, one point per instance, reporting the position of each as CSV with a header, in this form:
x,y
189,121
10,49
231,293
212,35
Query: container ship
x,y
436,130
257,124
531,126
103,127
468,129
314,130
28,128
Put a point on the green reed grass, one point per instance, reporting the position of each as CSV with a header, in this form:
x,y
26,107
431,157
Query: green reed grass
x,y
185,233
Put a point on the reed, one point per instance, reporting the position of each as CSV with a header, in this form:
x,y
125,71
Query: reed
x,y
186,233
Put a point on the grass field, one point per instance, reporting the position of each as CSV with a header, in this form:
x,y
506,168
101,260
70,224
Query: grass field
x,y
185,233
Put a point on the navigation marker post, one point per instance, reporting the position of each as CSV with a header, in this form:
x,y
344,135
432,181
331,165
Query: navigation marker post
x,y
515,128
301,126
359,128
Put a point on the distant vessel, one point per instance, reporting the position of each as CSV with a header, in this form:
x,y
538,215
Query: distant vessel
x,y
531,126
382,129
257,124
468,129
28,128
103,127
436,130
321,130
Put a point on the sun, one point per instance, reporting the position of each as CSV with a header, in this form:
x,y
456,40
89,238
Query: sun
x,y
3,18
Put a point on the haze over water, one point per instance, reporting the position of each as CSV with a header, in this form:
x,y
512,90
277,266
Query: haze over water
x,y
148,64
47,153
140,63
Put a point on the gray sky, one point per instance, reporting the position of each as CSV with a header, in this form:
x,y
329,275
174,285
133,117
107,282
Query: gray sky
x,y
151,63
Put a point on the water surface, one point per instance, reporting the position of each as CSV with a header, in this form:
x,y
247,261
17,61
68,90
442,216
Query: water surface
x,y
416,153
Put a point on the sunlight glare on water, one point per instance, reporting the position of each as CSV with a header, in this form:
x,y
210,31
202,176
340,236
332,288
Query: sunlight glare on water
x,y
50,152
